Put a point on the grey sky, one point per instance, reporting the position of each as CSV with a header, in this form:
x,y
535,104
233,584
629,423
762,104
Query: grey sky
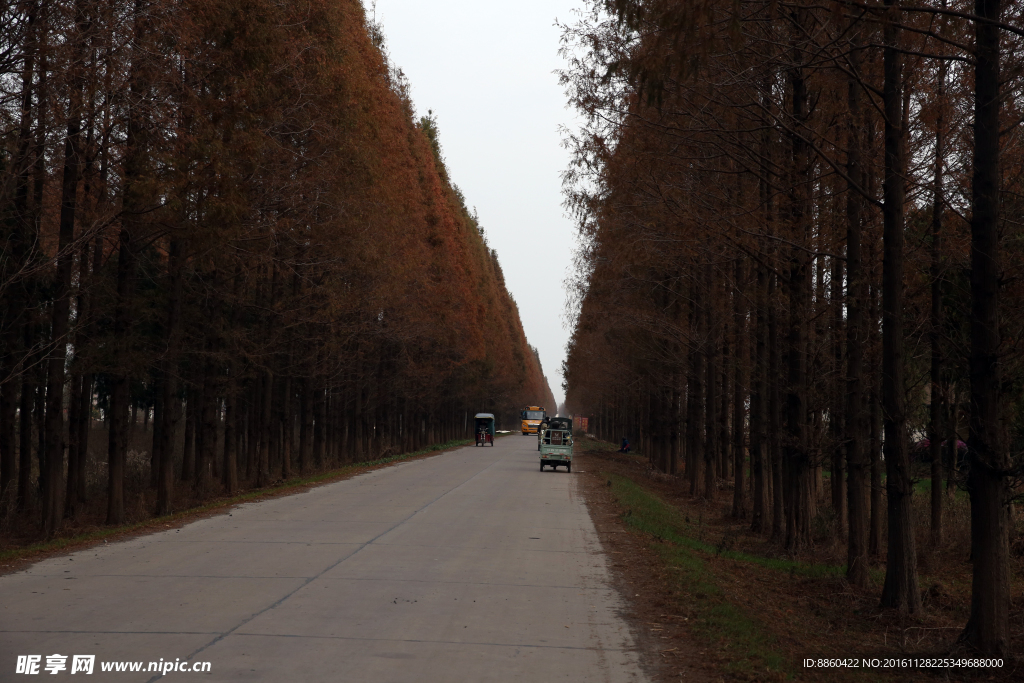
x,y
486,70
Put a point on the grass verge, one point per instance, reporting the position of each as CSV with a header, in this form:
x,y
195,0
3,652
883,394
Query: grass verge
x,y
283,487
666,523
748,645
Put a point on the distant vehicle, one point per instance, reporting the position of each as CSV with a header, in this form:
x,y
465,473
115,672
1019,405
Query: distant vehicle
x,y
484,429
556,444
531,419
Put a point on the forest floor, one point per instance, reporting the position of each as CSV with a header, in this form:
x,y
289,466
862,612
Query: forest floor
x,y
20,544
709,600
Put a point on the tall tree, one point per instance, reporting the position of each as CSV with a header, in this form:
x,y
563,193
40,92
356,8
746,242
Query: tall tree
x,y
900,590
987,628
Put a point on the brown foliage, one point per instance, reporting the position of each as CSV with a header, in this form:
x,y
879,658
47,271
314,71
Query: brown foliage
x,y
745,157
265,254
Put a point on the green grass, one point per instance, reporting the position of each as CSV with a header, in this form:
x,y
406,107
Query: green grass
x,y
99,534
648,513
595,444
923,487
750,646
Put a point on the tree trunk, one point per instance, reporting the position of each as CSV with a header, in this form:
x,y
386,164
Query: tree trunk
x,y
306,430
799,283
135,203
254,406
28,391
266,426
953,442
938,388
53,484
117,449
711,405
694,411
759,466
988,628
837,409
8,404
775,414
675,440
229,474
117,443
188,456
359,424
40,420
319,417
739,396
289,428
157,442
171,413
84,428
875,439
900,590
206,443
724,461
856,339
16,295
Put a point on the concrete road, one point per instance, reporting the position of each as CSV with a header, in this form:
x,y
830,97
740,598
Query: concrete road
x,y
468,566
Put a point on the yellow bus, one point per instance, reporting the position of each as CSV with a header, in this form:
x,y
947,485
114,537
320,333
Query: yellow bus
x,y
532,417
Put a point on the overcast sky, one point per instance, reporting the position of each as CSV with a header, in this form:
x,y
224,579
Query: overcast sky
x,y
486,70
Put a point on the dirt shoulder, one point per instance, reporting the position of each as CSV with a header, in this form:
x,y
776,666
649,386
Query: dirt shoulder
x,y
668,652
709,600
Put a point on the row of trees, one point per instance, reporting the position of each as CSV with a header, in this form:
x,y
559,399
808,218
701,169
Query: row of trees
x,y
799,226
224,214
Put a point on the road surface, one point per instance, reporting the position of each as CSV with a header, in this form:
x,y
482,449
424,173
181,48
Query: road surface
x,y
468,566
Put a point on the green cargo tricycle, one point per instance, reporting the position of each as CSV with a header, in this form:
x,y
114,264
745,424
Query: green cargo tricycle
x,y
556,444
